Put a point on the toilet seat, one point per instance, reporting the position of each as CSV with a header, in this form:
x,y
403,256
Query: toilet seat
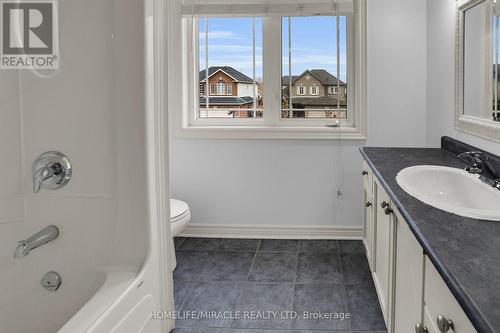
x,y
179,218
178,210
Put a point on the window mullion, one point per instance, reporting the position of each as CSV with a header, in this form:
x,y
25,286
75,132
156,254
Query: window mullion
x,y
271,54
253,69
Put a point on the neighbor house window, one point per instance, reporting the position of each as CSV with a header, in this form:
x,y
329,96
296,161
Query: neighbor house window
x,y
332,90
221,88
277,66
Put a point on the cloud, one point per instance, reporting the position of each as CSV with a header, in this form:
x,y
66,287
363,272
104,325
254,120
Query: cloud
x,y
219,34
234,48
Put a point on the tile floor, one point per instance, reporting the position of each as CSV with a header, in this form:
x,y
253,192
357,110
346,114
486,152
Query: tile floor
x,y
251,285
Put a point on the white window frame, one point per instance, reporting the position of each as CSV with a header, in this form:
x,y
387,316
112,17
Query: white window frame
x,y
212,89
221,88
314,90
301,90
229,89
271,125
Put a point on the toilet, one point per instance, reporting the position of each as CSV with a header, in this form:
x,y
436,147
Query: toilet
x,y
179,218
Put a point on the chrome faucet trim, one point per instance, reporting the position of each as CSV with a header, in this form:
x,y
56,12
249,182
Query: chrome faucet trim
x,y
477,158
24,247
48,171
51,171
480,160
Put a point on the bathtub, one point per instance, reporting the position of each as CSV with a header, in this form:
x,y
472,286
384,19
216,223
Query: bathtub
x,y
110,288
98,110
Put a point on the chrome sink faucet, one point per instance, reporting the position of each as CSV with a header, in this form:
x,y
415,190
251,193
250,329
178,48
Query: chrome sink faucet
x,y
480,160
24,247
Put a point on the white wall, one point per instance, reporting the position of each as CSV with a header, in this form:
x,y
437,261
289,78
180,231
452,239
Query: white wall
x,y
441,77
245,89
292,182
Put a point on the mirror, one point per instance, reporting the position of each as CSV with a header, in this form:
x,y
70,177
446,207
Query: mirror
x,y
478,69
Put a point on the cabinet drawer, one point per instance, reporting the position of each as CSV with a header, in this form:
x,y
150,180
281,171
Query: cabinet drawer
x,y
439,301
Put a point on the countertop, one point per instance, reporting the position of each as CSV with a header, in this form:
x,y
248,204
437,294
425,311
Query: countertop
x,y
465,251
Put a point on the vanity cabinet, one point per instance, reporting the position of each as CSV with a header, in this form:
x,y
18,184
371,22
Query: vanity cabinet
x,y
384,252
368,213
409,288
440,304
409,281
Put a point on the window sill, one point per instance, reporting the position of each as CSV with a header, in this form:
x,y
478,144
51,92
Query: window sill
x,y
268,132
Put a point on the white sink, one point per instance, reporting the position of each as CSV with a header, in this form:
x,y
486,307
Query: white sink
x,y
452,190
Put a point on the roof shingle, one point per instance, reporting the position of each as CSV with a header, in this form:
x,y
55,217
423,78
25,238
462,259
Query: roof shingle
x,y
235,74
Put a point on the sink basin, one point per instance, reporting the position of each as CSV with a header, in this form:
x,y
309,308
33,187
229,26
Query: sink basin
x,y
453,190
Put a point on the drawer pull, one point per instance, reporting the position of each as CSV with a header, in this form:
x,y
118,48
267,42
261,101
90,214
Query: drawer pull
x,y
384,204
419,328
364,173
388,210
444,324
368,204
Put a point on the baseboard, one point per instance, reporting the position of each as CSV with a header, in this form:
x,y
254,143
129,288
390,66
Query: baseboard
x,y
272,231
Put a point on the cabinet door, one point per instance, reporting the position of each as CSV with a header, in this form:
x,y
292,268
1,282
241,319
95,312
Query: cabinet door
x,y
384,254
368,218
431,327
409,293
439,301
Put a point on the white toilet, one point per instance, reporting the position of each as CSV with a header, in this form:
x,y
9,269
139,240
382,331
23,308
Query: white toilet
x,y
179,218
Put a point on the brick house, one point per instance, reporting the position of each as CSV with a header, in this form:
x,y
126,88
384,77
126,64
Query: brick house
x,y
315,91
228,88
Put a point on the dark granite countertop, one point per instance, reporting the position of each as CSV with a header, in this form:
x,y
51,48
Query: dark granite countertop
x,y
465,251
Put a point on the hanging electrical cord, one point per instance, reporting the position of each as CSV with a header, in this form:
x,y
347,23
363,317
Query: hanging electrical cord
x,y
340,156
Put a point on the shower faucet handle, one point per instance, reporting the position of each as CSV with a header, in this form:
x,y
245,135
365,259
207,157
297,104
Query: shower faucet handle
x,y
51,170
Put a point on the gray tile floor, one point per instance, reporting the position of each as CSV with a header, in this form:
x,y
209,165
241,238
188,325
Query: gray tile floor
x,y
244,286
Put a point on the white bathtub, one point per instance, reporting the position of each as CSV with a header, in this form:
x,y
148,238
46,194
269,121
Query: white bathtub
x,y
112,287
96,109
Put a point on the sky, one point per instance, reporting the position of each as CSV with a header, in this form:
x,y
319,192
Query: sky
x,y
230,43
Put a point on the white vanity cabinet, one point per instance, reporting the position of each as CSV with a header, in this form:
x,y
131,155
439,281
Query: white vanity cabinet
x,y
368,213
409,282
383,272
409,288
440,305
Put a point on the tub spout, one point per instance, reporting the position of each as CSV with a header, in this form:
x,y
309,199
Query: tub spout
x,y
42,237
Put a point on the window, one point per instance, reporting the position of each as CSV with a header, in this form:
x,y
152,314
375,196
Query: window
x,y
202,89
319,59
272,74
333,90
221,88
230,50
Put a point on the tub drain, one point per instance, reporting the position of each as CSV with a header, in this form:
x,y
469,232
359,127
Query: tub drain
x,y
51,281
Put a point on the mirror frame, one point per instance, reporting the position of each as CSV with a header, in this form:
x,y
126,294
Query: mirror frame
x,y
482,127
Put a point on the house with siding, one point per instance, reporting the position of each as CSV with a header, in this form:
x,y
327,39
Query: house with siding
x,y
317,92
227,88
